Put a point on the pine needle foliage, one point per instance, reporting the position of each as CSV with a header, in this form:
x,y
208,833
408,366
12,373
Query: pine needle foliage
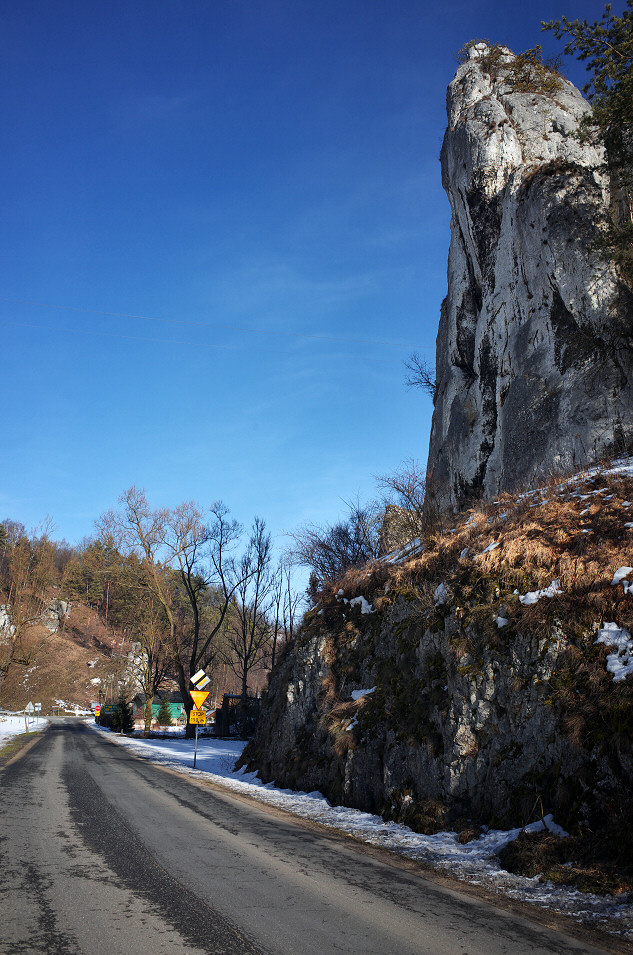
x,y
606,45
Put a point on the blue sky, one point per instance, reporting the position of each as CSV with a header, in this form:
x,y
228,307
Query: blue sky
x,y
223,231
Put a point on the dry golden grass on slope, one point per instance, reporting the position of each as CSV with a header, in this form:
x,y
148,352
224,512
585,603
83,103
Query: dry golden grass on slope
x,y
573,532
59,667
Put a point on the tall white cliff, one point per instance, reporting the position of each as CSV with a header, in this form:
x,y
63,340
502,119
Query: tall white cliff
x,y
534,362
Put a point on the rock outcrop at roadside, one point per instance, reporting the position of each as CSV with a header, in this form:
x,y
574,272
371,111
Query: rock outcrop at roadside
x,y
534,370
479,679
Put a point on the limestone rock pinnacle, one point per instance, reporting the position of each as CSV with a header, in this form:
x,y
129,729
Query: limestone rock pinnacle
x,y
534,348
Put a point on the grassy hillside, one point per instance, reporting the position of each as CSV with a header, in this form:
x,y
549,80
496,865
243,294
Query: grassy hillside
x,y
64,664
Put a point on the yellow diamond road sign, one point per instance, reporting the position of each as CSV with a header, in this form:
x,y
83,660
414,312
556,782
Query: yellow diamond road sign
x,y
198,716
200,680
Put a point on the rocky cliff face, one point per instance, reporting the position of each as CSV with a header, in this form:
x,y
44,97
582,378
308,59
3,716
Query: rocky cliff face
x,y
469,682
534,349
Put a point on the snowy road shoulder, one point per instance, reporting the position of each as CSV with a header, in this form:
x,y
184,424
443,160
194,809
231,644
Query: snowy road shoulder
x,y
474,862
13,724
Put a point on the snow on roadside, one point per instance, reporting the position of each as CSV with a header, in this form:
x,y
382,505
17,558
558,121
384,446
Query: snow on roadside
x,y
474,861
12,724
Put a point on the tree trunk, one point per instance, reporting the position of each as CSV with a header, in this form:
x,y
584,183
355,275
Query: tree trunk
x,y
187,702
148,715
244,707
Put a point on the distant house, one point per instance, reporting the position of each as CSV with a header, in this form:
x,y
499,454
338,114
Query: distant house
x,y
174,702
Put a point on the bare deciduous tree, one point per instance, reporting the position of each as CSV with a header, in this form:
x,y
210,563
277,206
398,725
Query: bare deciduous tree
x,y
204,557
27,569
331,549
284,607
151,655
249,631
421,374
406,515
199,554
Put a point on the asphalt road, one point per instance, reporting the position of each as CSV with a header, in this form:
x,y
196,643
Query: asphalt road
x,y
102,853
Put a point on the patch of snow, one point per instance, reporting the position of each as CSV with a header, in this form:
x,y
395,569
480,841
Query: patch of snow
x,y
501,622
440,595
489,548
618,578
629,526
403,553
533,596
365,607
12,724
359,694
620,663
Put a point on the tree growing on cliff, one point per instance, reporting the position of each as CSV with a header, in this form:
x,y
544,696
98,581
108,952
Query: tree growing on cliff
x,y
406,513
329,550
421,374
607,47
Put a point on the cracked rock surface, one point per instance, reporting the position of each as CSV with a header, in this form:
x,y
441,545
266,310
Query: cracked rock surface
x,y
534,348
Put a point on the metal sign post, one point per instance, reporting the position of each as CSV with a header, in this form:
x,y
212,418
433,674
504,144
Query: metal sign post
x,y
197,714
29,708
199,717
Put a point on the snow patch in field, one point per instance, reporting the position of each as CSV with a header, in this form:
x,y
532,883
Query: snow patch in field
x,y
365,607
12,724
489,548
403,553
